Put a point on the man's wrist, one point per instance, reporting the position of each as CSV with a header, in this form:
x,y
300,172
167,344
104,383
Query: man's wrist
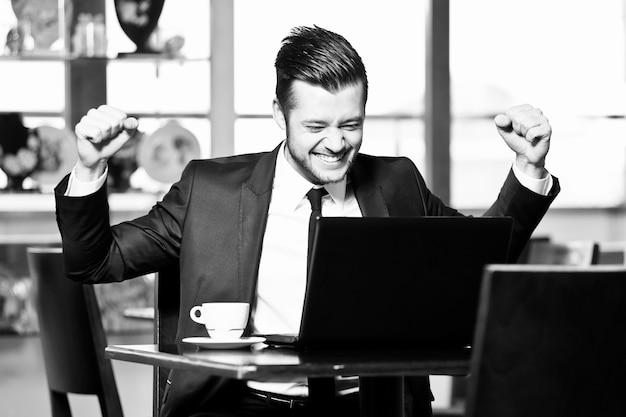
x,y
541,186
78,188
537,171
89,174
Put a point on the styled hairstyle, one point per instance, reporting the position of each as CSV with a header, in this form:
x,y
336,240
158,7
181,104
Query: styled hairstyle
x,y
319,57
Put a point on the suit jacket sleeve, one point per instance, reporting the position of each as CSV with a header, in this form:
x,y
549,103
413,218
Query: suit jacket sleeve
x,y
526,207
94,252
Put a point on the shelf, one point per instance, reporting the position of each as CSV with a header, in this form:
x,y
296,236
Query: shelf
x,y
28,203
122,57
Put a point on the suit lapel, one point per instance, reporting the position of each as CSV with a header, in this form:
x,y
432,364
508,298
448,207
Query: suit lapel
x,y
255,200
367,192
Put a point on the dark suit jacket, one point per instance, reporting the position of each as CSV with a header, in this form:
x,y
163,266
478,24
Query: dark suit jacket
x,y
212,224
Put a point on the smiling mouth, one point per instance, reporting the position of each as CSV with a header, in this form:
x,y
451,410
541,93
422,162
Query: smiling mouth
x,y
332,158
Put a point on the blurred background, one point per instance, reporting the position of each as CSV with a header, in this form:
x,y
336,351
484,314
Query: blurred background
x,y
199,76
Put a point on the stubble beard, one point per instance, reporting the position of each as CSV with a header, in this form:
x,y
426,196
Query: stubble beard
x,y
306,168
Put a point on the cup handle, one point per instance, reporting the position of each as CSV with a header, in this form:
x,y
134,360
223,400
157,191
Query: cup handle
x,y
192,314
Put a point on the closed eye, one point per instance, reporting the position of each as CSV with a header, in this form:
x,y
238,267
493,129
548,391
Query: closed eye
x,y
351,126
314,128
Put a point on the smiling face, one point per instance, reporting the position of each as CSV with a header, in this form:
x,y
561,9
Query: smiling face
x,y
324,130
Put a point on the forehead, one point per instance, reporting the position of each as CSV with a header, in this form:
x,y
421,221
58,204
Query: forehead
x,y
313,99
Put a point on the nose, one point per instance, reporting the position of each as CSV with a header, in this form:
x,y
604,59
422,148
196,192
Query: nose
x,y
334,139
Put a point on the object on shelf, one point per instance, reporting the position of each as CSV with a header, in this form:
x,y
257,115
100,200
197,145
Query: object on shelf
x,y
13,44
138,19
9,43
17,314
19,150
57,155
166,152
89,37
39,27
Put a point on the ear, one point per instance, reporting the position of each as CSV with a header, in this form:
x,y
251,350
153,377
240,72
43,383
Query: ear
x,y
279,116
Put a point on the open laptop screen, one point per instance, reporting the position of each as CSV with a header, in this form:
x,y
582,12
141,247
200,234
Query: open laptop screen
x,y
398,281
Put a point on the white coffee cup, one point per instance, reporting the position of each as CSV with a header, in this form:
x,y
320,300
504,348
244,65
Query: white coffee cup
x,y
222,320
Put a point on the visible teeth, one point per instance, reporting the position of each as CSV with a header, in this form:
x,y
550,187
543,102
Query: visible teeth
x,y
329,158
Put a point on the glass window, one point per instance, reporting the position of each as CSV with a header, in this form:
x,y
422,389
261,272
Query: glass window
x,y
150,86
565,57
387,37
32,86
157,89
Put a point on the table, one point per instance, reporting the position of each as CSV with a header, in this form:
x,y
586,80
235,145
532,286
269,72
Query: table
x,y
140,313
381,371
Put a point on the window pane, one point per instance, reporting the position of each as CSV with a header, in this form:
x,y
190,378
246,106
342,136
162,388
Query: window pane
x,y
481,161
392,137
512,53
32,86
256,135
147,86
389,37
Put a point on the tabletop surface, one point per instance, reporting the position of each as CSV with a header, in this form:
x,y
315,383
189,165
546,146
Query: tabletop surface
x,y
264,363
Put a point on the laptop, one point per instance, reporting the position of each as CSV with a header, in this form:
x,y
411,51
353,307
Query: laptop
x,y
396,282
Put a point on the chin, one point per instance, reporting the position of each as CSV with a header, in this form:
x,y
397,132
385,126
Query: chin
x,y
330,177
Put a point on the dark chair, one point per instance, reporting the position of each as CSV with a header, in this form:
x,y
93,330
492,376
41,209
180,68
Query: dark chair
x,y
534,240
72,336
612,253
166,302
539,251
550,341
578,253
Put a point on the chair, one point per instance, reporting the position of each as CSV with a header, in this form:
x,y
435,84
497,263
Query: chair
x,y
550,341
72,336
580,253
166,306
540,250
524,256
612,253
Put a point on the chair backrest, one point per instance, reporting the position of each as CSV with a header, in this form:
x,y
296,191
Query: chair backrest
x,y
534,240
72,336
546,252
166,313
612,253
550,341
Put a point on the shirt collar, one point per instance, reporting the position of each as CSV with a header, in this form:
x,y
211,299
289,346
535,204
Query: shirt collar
x,y
290,187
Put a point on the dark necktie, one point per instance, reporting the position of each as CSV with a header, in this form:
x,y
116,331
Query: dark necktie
x,y
315,198
322,386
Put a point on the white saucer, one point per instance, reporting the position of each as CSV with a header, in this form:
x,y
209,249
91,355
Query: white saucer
x,y
209,343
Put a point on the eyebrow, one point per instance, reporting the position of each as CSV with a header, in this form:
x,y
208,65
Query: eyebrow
x,y
357,119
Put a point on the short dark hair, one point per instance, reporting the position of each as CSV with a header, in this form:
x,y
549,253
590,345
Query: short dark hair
x,y
319,57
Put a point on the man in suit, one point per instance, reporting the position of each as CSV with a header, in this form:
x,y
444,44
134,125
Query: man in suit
x,y
237,226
